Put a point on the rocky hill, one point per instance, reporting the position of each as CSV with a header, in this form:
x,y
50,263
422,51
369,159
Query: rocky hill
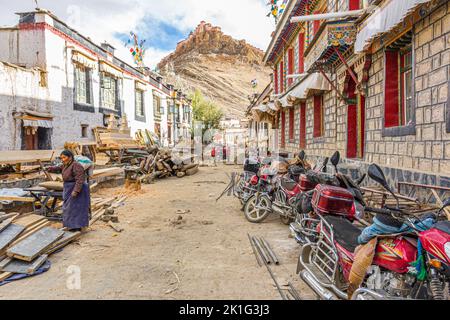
x,y
221,67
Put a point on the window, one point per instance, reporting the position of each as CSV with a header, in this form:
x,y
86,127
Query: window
x,y
283,129
84,130
290,65
301,53
140,110
156,105
316,24
354,5
276,80
318,116
109,91
291,124
281,77
398,96
82,85
303,125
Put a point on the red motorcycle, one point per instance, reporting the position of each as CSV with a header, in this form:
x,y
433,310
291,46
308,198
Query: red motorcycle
x,y
325,266
326,194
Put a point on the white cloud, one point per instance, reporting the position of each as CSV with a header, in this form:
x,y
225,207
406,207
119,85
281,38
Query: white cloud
x,y
103,19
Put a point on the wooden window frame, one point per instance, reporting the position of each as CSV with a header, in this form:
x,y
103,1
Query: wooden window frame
x,y
301,53
394,123
292,125
318,131
302,111
291,67
139,109
86,104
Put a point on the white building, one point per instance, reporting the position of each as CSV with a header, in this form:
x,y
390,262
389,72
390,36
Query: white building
x,y
57,85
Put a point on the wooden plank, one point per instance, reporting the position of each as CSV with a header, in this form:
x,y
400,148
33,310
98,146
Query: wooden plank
x,y
23,267
5,224
25,156
68,238
28,232
5,275
17,199
34,245
29,221
440,203
11,233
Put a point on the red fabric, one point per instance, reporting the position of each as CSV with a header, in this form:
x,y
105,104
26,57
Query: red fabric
x,y
301,53
402,90
362,106
283,129
303,125
318,101
353,5
282,76
316,24
276,80
291,124
290,65
352,128
391,100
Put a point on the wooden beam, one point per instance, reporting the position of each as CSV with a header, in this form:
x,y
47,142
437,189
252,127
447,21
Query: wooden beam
x,y
26,156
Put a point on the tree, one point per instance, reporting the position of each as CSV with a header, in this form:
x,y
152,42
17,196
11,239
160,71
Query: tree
x,y
205,111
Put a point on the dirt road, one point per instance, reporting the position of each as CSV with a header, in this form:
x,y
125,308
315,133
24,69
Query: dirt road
x,y
202,254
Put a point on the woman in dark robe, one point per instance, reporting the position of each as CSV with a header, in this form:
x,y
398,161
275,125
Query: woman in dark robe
x,y
76,193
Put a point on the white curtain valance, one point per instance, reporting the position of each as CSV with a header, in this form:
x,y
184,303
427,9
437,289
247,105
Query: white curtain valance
x,y
84,60
262,108
104,67
38,123
314,81
383,20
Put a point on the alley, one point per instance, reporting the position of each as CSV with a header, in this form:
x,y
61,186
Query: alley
x,y
205,255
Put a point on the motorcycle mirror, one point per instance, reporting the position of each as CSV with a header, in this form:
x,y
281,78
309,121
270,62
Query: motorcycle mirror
x,y
325,164
336,158
446,204
377,174
302,155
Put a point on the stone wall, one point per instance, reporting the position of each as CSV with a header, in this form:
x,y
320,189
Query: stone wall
x,y
427,150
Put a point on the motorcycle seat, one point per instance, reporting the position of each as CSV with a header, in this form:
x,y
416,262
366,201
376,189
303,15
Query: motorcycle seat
x,y
345,233
443,226
288,184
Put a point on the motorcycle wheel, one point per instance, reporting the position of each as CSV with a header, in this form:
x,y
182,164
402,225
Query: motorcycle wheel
x,y
253,214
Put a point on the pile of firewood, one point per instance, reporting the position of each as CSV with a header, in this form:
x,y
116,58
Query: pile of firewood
x,y
162,164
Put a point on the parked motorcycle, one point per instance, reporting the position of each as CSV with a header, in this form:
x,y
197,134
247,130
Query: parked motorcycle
x,y
244,185
278,193
326,194
326,265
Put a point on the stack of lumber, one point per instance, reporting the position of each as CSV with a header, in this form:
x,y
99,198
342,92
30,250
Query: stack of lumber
x,y
13,163
26,243
161,164
114,139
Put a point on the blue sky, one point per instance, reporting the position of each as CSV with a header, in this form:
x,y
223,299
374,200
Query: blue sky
x,y
163,23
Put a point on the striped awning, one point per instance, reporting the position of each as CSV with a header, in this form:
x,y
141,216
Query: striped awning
x,y
38,123
383,20
107,68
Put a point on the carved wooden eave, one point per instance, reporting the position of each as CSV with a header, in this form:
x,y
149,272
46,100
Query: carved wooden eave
x,y
339,34
360,65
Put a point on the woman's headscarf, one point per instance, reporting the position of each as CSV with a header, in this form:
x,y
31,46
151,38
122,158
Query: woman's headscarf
x,y
68,154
